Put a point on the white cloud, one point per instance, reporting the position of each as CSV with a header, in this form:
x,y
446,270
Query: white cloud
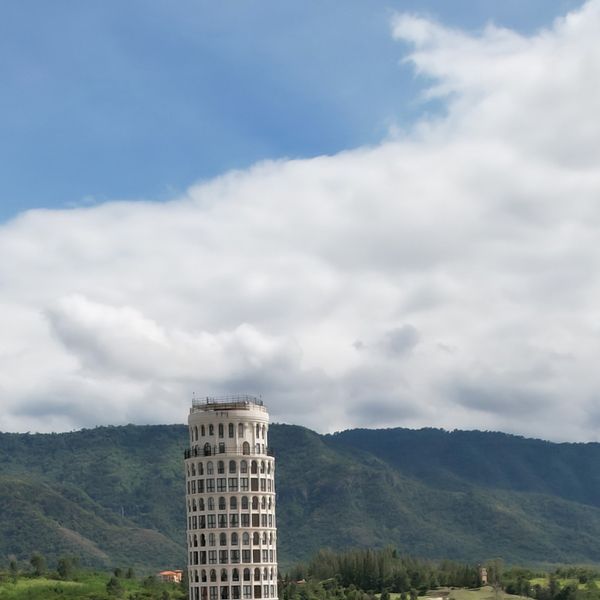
x,y
462,257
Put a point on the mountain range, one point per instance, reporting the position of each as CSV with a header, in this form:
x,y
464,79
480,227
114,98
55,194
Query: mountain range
x,y
115,495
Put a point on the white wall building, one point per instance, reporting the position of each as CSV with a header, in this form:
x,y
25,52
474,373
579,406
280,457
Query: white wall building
x,y
230,479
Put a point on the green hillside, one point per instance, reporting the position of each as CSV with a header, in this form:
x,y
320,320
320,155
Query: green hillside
x,y
104,492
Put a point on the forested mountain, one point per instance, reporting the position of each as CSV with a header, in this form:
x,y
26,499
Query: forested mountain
x,y
115,495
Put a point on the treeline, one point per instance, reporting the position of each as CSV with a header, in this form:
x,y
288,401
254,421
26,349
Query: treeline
x,y
385,570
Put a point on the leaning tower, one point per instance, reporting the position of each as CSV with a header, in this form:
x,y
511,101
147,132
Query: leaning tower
x,y
230,478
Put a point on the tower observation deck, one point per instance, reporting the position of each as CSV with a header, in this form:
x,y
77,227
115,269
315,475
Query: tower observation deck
x,y
230,496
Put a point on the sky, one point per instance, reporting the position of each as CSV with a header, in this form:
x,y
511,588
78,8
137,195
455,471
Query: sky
x,y
373,214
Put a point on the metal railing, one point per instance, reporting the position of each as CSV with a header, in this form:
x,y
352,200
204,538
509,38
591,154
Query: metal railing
x,y
223,402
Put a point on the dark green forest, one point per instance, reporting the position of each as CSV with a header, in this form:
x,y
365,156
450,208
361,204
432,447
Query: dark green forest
x,y
102,493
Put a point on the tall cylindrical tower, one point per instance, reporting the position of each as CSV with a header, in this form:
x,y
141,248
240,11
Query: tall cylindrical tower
x,y
230,479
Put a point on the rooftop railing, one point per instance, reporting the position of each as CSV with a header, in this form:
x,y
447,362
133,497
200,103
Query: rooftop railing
x,y
238,401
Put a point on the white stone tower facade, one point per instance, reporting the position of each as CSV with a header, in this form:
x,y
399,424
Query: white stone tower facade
x,y
230,483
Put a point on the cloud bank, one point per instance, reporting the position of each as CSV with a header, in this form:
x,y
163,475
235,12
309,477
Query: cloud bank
x,y
447,277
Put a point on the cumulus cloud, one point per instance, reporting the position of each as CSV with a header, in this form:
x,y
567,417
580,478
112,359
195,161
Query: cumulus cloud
x,y
444,278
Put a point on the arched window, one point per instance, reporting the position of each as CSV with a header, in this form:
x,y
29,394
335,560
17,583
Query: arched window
x,y
240,430
257,448
265,573
223,574
212,540
269,502
200,503
195,541
262,466
235,575
254,467
222,539
200,469
231,429
257,430
202,430
220,467
272,573
268,467
202,539
263,502
233,503
207,451
211,503
234,539
243,467
195,434
246,574
203,575
213,575
244,502
264,431
221,430
257,574
232,466
264,538
255,538
246,448
209,468
222,503
254,502
211,429
246,538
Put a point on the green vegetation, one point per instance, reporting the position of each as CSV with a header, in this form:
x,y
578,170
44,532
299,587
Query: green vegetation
x,y
103,494
87,585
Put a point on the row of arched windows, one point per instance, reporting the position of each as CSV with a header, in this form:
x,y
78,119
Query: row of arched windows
x,y
196,433
223,539
211,504
232,467
205,575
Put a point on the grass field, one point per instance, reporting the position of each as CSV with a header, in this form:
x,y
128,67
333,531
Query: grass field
x,y
484,593
90,586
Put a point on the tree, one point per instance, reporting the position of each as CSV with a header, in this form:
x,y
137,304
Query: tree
x,y
38,562
65,567
130,574
13,567
114,587
118,572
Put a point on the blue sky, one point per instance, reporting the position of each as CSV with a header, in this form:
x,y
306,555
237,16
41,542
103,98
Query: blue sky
x,y
255,197
128,100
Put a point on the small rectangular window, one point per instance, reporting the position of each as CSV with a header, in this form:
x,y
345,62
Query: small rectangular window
x,y
223,557
233,484
222,484
212,557
234,520
210,485
244,484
